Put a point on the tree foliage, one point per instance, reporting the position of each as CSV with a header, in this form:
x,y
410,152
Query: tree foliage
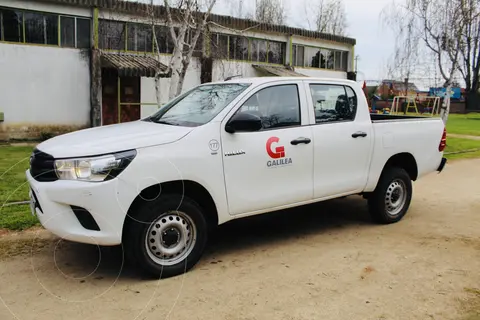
x,y
447,29
330,16
270,11
186,20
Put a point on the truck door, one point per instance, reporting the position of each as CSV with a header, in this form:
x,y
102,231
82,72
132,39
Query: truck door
x,y
273,166
342,134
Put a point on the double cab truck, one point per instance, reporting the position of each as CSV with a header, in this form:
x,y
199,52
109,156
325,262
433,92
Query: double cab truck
x,y
223,151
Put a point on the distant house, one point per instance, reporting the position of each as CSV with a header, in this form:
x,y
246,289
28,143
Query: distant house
x,y
389,88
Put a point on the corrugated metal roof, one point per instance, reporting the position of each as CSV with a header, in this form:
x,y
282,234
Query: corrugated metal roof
x,y
137,8
277,70
133,65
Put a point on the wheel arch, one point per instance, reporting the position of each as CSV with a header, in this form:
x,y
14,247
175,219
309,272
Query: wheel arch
x,y
188,188
405,161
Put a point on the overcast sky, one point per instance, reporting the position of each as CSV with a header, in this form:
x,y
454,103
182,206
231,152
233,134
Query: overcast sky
x,y
375,43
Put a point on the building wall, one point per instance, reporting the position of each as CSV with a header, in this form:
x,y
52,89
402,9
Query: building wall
x,y
224,68
147,86
43,86
321,73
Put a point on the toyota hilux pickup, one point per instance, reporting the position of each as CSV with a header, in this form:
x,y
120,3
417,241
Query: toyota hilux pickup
x,y
223,151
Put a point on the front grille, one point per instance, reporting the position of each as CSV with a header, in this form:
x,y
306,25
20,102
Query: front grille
x,y
42,166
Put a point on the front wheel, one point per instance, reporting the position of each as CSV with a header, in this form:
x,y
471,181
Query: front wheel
x,y
167,236
391,199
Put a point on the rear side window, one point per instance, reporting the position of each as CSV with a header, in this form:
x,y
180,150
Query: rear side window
x,y
277,106
333,103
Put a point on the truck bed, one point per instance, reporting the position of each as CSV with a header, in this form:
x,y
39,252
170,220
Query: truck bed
x,y
388,117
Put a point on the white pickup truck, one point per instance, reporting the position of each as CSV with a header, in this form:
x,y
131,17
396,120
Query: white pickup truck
x,y
224,151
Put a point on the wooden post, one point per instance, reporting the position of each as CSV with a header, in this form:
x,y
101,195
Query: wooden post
x,y
406,96
95,75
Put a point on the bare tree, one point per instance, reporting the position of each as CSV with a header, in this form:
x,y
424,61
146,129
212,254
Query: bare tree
x,y
270,11
186,21
405,59
330,16
450,30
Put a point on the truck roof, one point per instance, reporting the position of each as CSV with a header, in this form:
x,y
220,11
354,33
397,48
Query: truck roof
x,y
262,80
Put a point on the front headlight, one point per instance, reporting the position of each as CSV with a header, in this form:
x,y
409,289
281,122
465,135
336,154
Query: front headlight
x,y
95,169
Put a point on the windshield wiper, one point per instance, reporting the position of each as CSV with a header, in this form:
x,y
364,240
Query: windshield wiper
x,y
166,122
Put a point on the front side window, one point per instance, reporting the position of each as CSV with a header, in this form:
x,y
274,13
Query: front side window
x,y
199,105
333,103
277,106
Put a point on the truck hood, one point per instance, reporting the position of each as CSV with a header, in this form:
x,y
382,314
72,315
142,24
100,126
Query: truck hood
x,y
112,138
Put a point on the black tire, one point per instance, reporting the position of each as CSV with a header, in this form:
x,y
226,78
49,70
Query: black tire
x,y
136,240
380,201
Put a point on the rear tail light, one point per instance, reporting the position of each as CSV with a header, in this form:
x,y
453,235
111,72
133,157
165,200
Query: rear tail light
x,y
443,142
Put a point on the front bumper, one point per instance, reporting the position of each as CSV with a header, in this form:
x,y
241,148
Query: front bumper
x,y
107,202
442,165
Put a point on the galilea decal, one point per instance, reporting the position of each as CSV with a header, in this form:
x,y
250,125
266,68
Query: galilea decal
x,y
277,153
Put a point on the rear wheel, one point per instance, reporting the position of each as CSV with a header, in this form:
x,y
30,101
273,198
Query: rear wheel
x,y
167,236
391,199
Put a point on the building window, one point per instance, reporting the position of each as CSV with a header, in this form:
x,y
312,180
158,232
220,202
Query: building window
x,y
344,65
34,28
112,35
198,49
139,38
75,32
243,49
41,28
276,52
11,25
67,32
219,46
164,39
313,57
298,56
258,50
238,48
83,33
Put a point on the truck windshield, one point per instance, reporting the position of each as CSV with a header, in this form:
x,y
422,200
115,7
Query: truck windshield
x,y
199,105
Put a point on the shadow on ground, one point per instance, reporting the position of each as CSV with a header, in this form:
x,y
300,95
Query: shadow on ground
x,y
80,260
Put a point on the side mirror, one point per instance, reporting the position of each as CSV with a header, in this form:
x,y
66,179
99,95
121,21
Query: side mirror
x,y
244,121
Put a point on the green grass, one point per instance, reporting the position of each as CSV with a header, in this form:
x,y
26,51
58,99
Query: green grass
x,y
467,124
13,188
460,144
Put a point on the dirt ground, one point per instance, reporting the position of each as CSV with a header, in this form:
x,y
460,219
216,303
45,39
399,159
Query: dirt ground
x,y
326,261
